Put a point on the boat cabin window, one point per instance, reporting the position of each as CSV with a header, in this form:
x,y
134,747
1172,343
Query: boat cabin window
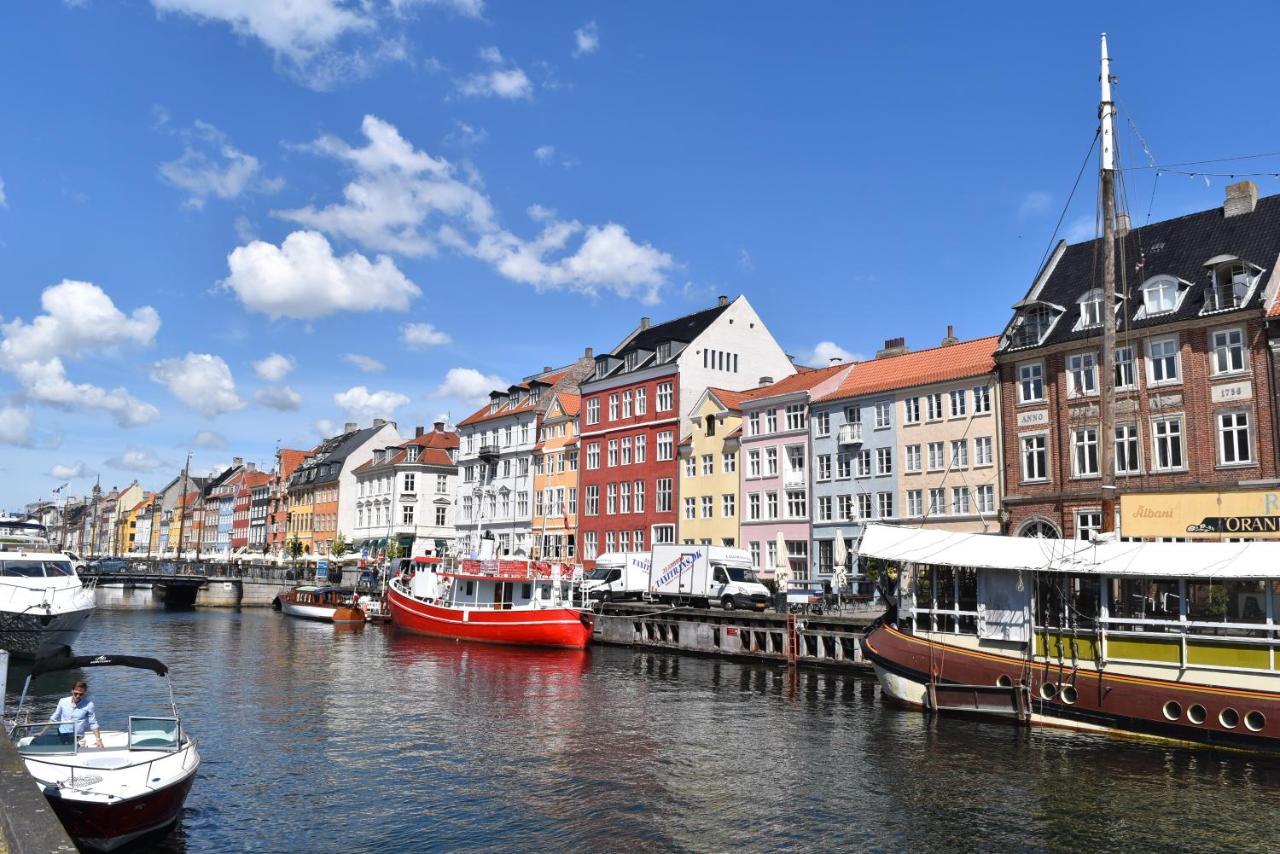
x,y
526,591
1144,599
1234,601
1067,601
22,568
946,599
471,588
54,568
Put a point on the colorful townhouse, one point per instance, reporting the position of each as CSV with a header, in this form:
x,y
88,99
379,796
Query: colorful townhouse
x,y
495,460
709,482
555,481
249,481
405,495
287,460
632,407
259,502
776,454
1194,447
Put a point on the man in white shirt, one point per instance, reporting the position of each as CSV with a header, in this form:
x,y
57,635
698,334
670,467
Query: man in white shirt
x,y
77,710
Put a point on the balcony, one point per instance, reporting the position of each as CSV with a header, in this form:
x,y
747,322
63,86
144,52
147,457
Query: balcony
x,y
794,478
1225,296
850,434
489,453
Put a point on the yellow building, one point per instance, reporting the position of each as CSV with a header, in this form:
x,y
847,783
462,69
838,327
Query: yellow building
x,y
128,505
555,481
709,501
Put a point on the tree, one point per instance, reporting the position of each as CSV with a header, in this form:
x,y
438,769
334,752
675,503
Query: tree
x,y
295,547
393,550
340,545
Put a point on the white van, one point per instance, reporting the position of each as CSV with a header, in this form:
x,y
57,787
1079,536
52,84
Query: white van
x,y
700,575
618,575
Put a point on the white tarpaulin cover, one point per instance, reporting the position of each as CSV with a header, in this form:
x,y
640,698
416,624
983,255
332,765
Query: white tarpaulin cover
x,y
1192,560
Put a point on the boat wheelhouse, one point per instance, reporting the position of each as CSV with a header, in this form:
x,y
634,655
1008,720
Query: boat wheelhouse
x,y
1165,639
43,602
523,603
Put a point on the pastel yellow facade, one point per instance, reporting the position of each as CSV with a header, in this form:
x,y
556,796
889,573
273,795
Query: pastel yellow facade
x,y
709,497
949,454
555,482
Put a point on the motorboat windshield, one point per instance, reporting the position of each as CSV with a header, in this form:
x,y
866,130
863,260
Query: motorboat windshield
x,y
32,568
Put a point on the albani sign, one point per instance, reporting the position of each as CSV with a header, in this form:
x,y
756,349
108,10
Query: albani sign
x,y
1208,515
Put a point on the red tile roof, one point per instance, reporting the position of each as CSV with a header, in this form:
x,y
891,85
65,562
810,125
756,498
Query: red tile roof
x,y
802,381
1274,311
923,367
729,398
526,405
571,403
435,447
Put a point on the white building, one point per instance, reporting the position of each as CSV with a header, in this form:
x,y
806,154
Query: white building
x,y
406,494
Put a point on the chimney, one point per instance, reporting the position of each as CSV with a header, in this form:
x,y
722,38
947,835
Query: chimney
x,y
546,369
1122,224
349,427
1242,198
379,422
722,300
236,462
644,323
418,431
251,466
589,353
951,337
892,347
438,426
765,381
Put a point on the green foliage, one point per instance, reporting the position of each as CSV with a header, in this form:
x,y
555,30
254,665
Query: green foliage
x,y
340,546
295,547
393,550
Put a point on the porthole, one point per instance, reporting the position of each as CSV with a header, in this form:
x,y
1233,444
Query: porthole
x,y
1047,690
1004,682
1196,714
1229,718
1255,721
1172,710
1069,695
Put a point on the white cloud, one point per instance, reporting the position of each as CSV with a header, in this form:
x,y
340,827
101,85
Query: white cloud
x,y
273,368
64,471
296,29
544,153
302,278
586,39
1080,229
406,201
490,54
4,200
15,426
825,351
210,439
509,83
364,405
464,135
137,459
79,318
200,380
368,364
1034,204
469,385
210,166
745,262
325,428
465,8
418,336
279,397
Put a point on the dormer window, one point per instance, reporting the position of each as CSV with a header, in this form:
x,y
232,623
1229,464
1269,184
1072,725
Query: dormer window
x,y
412,454
633,360
664,352
1230,283
1033,325
493,405
1160,295
533,394
602,369
1091,309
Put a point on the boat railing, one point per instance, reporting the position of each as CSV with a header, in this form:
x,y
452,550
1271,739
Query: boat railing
x,y
37,596
515,569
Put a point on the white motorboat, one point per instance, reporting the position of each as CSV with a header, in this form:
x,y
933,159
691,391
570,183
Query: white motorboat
x,y
43,602
134,785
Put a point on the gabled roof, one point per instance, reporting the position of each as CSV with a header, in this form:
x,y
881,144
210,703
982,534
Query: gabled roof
x,y
570,403
803,381
923,367
327,457
433,448
728,398
1175,247
685,328
527,403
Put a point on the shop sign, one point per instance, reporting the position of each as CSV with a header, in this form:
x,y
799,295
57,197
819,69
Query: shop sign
x,y
1203,515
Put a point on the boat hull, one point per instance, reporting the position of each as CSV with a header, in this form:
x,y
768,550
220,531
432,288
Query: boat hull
x,y
1111,701
548,627
321,613
32,634
99,826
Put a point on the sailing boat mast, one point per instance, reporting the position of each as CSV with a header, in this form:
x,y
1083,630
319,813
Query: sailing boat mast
x,y
1106,441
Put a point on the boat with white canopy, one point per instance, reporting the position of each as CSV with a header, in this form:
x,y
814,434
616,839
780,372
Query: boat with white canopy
x,y
43,602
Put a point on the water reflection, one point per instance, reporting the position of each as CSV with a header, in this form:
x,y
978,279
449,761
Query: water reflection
x,y
322,740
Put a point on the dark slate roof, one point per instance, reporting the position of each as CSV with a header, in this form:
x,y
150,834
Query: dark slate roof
x,y
684,329
326,459
1177,247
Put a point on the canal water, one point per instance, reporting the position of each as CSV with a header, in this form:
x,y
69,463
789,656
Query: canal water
x,y
340,740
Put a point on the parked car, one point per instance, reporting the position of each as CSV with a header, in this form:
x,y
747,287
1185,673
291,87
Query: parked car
x,y
77,562
108,564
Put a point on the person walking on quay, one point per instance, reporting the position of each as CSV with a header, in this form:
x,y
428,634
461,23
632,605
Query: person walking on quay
x,y
77,709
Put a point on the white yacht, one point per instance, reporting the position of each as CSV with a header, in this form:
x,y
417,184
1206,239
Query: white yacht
x,y
43,603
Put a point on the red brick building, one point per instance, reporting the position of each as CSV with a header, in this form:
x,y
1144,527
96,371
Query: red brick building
x,y
1194,392
287,459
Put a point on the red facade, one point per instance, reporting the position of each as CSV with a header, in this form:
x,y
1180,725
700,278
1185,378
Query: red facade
x,y
656,427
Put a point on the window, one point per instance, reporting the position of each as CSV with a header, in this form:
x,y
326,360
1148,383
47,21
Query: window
x,y
593,455
1088,524
641,448
1160,295
1228,351
624,446
846,506
853,414
882,414
913,458
753,424
708,506
1032,325
864,505
884,461
642,401
884,504
915,502
1128,459
1162,361
986,498
796,419
822,424
639,539
613,407
960,500
1124,377
771,504
589,549
1082,374
911,410
937,501
663,501
613,453
753,507
1031,383
844,466
824,508
624,497
981,399
626,404
708,464
862,463
982,455
610,541
639,495
933,404
1035,457
796,504
522,503
755,555
709,427
1233,438
573,501
753,463
664,397
1091,309
666,446
727,508
729,462
959,404
770,462
1230,288
937,458
1167,444
611,499
1084,451
624,540
690,466
771,421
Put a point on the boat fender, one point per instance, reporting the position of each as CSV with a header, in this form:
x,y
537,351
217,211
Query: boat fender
x,y
585,618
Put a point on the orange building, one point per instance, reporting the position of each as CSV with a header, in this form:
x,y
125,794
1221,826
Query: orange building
x,y
555,481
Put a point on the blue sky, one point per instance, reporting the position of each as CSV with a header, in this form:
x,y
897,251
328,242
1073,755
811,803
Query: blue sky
x,y
463,191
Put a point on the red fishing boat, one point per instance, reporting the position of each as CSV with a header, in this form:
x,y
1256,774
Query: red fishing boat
x,y
508,602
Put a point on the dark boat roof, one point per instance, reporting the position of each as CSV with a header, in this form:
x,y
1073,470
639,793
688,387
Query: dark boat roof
x,y
53,663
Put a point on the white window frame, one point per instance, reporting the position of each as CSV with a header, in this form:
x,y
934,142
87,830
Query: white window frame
x,y
1082,374
1023,439
911,410
1026,377
1218,351
1125,434
1123,366
1152,360
1221,429
1082,440
1156,440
